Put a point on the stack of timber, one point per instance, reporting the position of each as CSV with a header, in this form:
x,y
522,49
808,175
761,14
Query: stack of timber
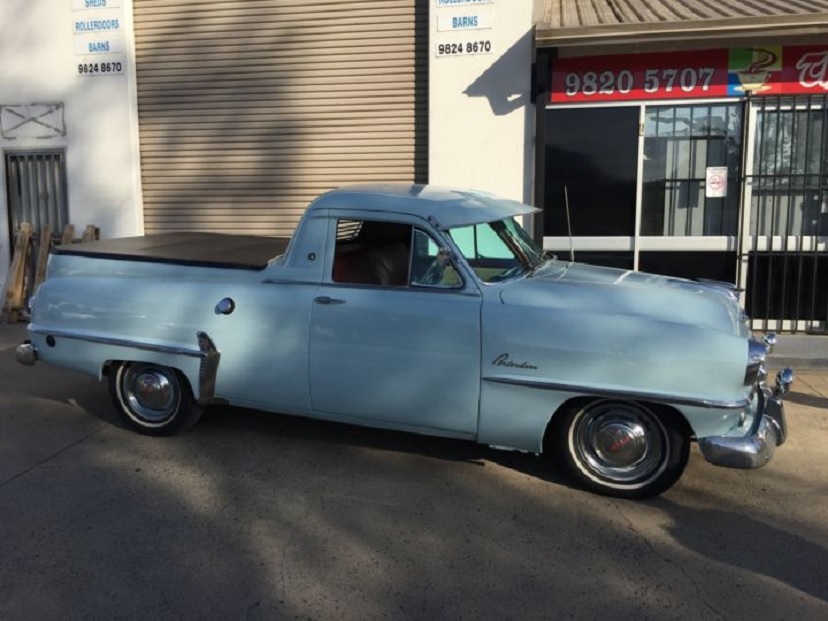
x,y
28,267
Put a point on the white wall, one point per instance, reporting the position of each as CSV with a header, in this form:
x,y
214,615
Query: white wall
x,y
41,53
481,117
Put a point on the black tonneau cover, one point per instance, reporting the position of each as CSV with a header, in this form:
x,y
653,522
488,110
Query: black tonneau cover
x,y
248,252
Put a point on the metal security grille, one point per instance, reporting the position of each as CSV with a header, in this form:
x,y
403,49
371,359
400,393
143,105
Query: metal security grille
x,y
249,109
787,279
36,189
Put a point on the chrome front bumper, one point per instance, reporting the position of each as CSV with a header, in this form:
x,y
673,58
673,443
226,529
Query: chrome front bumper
x,y
769,430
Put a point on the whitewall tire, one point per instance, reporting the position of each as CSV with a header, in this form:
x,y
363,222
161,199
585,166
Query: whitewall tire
x,y
152,399
620,448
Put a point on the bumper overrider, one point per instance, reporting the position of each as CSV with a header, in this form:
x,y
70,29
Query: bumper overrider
x,y
26,354
769,430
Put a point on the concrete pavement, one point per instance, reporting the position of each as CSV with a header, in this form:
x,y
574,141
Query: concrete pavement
x,y
800,352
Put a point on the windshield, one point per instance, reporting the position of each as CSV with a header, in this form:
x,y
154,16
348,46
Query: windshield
x,y
497,250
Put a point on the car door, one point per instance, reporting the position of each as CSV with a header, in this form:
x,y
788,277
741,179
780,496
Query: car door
x,y
389,345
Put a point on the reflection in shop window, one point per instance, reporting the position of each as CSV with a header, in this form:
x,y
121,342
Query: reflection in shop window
x,y
680,143
790,171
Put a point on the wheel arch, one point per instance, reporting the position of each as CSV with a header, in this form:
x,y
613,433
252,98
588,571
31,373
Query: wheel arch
x,y
152,398
188,367
580,401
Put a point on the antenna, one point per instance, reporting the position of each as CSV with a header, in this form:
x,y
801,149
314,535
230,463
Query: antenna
x,y
569,227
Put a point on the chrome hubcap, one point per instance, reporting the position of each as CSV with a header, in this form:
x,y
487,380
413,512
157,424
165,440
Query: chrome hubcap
x,y
152,392
620,442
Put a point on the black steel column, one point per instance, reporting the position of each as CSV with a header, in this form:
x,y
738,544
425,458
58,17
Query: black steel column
x,y
541,81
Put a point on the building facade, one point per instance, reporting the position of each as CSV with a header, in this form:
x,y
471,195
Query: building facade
x,y
691,139
677,137
68,132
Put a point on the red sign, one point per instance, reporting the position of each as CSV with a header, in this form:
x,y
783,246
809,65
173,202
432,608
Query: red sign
x,y
804,71
771,70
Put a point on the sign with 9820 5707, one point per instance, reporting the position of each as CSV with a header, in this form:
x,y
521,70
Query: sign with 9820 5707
x,y
640,76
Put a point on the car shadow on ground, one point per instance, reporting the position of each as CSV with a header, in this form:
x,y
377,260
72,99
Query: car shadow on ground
x,y
749,544
44,382
814,401
234,419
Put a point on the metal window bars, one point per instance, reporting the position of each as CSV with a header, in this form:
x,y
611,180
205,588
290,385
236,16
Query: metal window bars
x,y
787,279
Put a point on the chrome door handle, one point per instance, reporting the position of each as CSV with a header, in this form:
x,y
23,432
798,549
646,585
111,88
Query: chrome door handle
x,y
324,299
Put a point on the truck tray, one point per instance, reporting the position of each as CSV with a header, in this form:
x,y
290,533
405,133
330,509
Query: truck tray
x,y
249,252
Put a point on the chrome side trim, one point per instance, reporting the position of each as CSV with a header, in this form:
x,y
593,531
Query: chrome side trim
x,y
470,292
285,281
736,404
107,340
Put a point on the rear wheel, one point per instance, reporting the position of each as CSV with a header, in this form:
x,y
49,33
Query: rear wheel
x,y
621,448
152,399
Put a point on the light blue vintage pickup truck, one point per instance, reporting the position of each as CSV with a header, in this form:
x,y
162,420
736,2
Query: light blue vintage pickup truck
x,y
422,309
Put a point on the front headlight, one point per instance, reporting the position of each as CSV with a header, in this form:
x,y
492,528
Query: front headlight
x,y
755,371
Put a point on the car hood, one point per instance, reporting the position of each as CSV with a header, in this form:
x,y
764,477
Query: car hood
x,y
577,287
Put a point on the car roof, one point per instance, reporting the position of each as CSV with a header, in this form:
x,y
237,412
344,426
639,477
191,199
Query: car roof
x,y
444,207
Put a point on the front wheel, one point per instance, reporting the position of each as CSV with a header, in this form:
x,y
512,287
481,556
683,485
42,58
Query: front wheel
x,y
621,448
152,399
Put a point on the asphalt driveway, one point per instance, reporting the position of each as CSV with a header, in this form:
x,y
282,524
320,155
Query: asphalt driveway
x,y
251,515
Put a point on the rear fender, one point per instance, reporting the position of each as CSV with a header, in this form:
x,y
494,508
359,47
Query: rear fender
x,y
93,354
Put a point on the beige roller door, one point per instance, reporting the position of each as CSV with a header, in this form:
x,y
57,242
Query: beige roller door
x,y
248,109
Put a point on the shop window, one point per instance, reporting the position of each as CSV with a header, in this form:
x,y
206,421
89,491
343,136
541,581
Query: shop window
x,y
593,153
688,264
618,260
680,143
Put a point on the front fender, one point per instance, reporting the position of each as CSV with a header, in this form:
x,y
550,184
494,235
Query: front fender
x,y
535,359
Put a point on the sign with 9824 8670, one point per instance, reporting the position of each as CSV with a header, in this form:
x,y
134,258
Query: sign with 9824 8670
x,y
91,66
476,25
464,48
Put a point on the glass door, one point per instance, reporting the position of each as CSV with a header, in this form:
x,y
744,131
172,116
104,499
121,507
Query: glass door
x,y
690,190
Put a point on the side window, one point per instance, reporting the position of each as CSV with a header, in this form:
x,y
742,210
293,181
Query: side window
x,y
372,253
390,254
430,265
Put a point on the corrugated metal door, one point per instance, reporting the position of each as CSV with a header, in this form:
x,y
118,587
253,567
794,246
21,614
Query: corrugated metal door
x,y
249,109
